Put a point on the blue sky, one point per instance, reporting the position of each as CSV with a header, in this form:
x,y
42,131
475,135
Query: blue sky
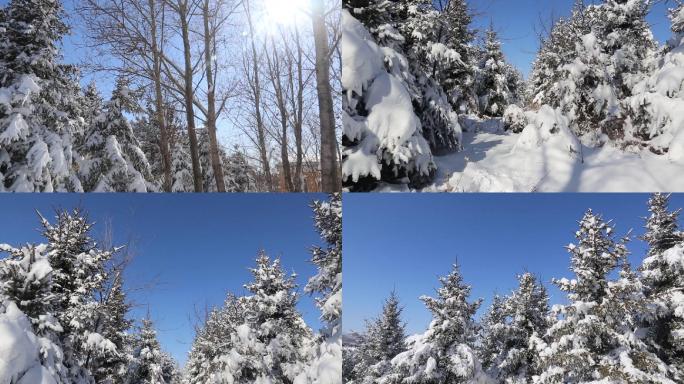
x,y
189,250
516,20
406,241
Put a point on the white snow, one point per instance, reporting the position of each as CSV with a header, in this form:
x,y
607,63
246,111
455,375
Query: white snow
x,y
495,161
19,348
16,129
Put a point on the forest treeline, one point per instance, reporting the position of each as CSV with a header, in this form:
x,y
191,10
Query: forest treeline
x,y
619,324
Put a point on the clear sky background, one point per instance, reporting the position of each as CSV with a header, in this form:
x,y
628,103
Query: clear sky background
x,y
406,241
518,21
189,250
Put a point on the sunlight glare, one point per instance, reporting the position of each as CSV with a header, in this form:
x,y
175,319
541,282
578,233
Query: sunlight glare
x,y
285,12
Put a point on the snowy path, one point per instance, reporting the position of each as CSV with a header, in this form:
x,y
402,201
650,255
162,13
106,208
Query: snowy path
x,y
489,163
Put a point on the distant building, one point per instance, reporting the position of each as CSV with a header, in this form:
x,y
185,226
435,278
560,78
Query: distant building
x,y
311,176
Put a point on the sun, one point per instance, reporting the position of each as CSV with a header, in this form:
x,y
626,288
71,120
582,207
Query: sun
x,y
285,12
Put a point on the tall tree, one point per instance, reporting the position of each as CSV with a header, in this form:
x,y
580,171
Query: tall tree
x,y
76,281
510,330
269,346
595,337
382,341
114,160
455,31
38,98
148,365
134,32
28,300
662,277
444,353
493,91
184,9
330,180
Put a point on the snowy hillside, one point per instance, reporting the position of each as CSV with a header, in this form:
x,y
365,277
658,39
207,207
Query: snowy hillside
x,y
601,111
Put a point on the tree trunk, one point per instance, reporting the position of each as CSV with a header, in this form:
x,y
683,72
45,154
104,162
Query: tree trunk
x,y
159,103
209,36
274,72
329,176
297,99
261,134
189,97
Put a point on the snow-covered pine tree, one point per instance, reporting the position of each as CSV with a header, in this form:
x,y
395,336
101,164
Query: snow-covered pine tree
x,y
147,131
382,341
37,101
26,289
27,280
606,65
328,260
445,352
91,105
239,174
114,160
510,330
270,347
493,77
556,51
654,108
458,80
113,325
148,361
210,355
170,371
596,336
493,337
420,24
79,272
662,275
181,168
325,365
382,136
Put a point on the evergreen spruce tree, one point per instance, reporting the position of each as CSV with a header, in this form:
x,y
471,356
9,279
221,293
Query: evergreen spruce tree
x,y
493,81
79,272
382,341
444,353
38,97
170,370
491,350
328,260
325,360
384,99
239,174
26,283
596,339
458,79
509,332
419,23
115,162
148,365
662,275
211,349
269,347
181,168
605,66
556,51
112,323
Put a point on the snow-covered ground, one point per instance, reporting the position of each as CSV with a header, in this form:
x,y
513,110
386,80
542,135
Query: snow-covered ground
x,y
490,162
